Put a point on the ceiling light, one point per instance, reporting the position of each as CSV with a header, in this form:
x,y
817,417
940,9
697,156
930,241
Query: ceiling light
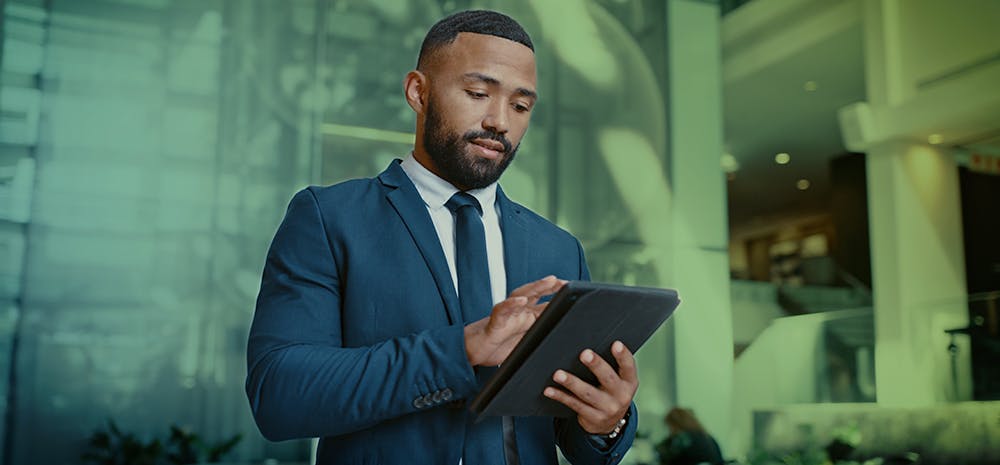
x,y
935,139
729,163
782,158
803,184
810,86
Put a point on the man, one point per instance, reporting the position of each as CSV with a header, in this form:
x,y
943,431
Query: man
x,y
373,324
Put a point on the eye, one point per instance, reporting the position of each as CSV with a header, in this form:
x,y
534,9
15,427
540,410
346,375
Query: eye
x,y
476,94
521,108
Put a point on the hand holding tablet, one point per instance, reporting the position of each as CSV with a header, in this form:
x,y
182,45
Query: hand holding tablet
x,y
582,315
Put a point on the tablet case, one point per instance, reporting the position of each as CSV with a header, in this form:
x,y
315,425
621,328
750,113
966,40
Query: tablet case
x,y
581,315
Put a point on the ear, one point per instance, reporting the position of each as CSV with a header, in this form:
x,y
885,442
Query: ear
x,y
415,88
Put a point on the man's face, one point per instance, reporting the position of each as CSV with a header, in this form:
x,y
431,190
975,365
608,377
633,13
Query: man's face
x,y
482,90
458,157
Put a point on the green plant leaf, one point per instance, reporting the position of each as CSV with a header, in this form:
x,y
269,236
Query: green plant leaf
x,y
216,452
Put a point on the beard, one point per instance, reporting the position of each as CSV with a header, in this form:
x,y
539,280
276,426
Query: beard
x,y
454,159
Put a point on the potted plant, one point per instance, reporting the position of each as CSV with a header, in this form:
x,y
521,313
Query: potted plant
x,y
112,446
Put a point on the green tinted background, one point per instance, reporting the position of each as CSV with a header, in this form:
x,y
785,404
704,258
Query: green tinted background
x,y
153,148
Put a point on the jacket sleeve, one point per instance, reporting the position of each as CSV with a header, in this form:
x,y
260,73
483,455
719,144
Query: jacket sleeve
x,y
301,381
579,450
574,442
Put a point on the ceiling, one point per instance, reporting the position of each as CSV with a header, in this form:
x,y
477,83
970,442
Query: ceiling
x,y
769,110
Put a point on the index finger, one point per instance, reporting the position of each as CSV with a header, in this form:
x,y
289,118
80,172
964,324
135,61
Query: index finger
x,y
536,289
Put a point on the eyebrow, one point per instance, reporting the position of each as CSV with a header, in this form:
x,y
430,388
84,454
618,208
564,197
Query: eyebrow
x,y
496,82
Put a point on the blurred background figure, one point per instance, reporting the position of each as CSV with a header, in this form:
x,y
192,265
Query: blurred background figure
x,y
688,442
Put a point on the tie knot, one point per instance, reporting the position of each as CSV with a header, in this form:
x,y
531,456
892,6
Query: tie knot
x,y
463,199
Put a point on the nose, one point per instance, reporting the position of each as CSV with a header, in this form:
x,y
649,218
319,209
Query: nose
x,y
496,119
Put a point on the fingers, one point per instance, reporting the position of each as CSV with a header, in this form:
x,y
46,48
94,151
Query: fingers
x,y
537,289
537,309
508,321
583,391
626,363
608,378
598,408
510,305
519,304
606,375
570,401
512,313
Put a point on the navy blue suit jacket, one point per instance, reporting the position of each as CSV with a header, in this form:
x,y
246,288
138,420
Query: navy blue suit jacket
x,y
358,337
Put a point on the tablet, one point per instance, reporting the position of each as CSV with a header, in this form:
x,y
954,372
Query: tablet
x,y
582,315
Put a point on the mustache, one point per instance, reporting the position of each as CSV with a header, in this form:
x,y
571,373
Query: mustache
x,y
472,135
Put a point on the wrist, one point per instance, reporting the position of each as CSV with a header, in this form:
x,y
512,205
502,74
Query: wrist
x,y
617,429
471,336
605,442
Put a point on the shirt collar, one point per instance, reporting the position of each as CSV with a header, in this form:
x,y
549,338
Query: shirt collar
x,y
435,191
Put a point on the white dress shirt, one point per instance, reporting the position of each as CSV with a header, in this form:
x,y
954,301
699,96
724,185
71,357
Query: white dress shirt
x,y
436,192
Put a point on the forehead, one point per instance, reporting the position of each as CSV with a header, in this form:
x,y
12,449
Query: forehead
x,y
509,62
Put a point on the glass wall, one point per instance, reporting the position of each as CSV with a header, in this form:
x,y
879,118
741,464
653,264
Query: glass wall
x,y
152,147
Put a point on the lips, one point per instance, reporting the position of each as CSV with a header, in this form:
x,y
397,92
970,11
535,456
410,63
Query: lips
x,y
489,144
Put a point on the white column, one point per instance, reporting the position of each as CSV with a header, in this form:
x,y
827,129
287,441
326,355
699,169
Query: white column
x,y
703,333
918,272
918,265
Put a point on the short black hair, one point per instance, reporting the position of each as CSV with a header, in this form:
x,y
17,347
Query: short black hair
x,y
476,21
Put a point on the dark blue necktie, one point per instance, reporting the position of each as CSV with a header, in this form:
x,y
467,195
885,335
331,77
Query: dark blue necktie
x,y
484,441
473,269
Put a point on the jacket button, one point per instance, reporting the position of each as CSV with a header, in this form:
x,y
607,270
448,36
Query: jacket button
x,y
419,402
446,394
437,397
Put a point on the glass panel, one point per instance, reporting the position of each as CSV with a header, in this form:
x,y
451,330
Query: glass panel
x,y
150,148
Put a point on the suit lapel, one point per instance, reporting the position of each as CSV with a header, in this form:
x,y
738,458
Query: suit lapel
x,y
411,209
515,242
